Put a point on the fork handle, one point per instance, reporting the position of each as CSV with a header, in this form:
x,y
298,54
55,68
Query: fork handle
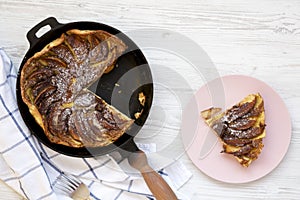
x,y
81,193
157,185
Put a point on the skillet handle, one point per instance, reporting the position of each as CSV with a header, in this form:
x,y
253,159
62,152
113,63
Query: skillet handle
x,y
157,185
31,35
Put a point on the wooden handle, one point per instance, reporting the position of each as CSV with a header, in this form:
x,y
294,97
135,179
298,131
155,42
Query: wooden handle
x,y
157,185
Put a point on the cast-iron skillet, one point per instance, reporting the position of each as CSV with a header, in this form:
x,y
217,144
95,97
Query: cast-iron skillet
x,y
120,88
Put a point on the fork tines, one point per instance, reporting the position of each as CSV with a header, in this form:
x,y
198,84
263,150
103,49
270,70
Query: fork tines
x,y
66,183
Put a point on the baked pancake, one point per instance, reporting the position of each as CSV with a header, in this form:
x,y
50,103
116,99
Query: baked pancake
x,y
54,86
241,128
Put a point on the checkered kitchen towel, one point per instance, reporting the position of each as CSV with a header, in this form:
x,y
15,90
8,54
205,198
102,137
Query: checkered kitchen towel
x,y
23,168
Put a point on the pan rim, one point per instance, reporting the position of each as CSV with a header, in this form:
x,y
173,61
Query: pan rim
x,y
36,130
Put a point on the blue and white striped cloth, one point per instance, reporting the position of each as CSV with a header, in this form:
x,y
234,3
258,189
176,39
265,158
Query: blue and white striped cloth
x,y
23,168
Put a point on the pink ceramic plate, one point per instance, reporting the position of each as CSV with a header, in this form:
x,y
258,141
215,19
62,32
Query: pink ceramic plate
x,y
202,145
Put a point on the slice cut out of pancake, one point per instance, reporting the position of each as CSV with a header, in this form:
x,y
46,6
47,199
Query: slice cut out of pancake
x,y
241,128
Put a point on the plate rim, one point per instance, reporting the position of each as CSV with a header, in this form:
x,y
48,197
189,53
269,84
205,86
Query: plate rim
x,y
190,145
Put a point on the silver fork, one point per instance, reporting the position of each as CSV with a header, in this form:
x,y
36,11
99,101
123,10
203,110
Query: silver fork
x,y
65,183
71,186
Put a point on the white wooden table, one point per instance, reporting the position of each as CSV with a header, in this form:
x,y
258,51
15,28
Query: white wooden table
x,y
260,38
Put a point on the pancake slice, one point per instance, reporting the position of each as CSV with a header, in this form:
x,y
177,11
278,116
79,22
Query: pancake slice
x,y
241,128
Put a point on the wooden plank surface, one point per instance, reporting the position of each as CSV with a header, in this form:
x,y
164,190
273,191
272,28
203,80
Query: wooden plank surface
x,y
260,38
